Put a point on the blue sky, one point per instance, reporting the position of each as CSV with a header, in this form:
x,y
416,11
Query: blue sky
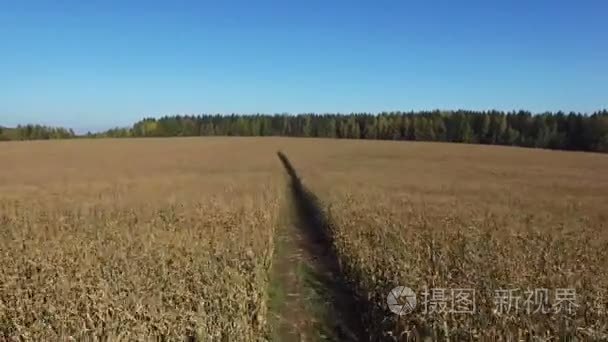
x,y
92,65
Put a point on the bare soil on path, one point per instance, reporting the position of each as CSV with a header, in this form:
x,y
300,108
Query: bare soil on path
x,y
308,298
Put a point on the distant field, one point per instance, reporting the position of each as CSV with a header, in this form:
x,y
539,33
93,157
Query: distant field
x,y
142,238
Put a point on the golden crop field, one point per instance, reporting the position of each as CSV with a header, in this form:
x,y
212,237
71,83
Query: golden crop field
x,y
445,216
140,239
136,239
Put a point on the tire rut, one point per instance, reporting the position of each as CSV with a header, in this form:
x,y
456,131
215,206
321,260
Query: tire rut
x,y
309,296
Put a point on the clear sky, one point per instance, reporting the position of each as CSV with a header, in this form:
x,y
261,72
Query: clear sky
x,y
92,65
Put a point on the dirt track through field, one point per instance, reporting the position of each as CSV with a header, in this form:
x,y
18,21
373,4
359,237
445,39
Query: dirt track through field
x,y
309,299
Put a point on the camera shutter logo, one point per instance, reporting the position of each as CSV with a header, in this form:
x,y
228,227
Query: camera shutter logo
x,y
401,300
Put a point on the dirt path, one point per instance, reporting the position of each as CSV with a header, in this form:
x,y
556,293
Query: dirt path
x,y
308,299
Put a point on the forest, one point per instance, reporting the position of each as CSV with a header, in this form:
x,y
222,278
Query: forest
x,y
571,131
35,132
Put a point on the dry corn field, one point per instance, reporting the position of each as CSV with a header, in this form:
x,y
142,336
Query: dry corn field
x,y
136,239
173,239
448,217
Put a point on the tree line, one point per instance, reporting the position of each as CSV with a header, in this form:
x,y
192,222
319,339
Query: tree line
x,y
567,131
572,131
35,132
